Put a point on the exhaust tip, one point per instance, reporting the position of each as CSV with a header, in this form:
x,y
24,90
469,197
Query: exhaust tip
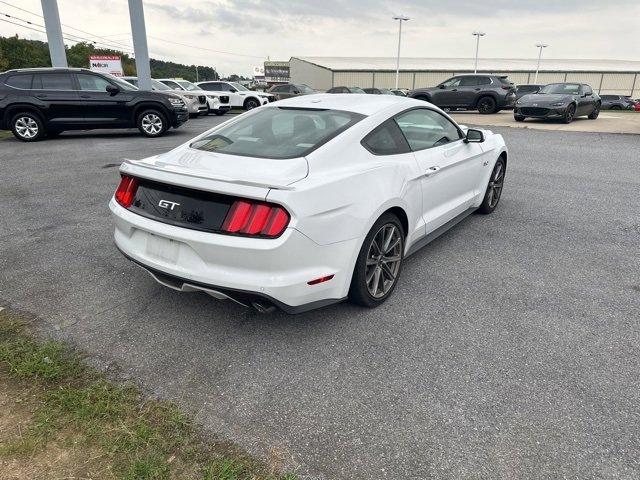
x,y
262,307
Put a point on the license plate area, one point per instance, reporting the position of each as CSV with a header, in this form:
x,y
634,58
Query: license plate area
x,y
163,249
180,206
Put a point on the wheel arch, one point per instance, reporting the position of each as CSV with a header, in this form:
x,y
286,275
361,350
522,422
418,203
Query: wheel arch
x,y
149,104
482,95
251,97
13,109
402,216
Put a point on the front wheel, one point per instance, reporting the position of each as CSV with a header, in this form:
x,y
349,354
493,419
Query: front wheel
x,y
379,263
494,188
152,123
251,103
28,127
596,111
519,118
569,114
219,112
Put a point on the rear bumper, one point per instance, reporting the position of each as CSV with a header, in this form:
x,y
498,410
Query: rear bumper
x,y
244,269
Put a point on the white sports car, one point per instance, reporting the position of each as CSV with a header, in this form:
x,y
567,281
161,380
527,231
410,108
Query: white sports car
x,y
305,202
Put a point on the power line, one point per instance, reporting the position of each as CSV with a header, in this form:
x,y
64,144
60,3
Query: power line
x,y
113,42
77,38
203,48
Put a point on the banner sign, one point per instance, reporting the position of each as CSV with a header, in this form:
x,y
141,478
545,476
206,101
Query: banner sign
x,y
106,64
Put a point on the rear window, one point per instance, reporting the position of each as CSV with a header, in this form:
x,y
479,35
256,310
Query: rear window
x,y
22,81
505,80
278,132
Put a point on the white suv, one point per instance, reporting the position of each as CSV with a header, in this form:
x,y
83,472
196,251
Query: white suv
x,y
239,95
216,103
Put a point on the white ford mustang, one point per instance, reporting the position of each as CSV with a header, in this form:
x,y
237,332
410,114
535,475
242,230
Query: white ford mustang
x,y
306,202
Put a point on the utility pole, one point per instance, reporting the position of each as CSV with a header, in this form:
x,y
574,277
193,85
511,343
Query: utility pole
x,y
197,76
400,18
139,34
477,35
54,33
540,46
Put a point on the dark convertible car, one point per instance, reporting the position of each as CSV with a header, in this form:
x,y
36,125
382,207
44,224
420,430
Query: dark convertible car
x,y
562,101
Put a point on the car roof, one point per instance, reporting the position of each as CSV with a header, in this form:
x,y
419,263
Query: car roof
x,y
49,69
351,102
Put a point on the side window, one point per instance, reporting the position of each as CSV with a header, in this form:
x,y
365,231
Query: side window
x,y
278,90
425,128
469,81
452,82
386,139
19,81
483,80
53,81
207,86
587,90
92,82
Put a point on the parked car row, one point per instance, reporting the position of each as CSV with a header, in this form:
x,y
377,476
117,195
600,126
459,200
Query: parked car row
x,y
44,102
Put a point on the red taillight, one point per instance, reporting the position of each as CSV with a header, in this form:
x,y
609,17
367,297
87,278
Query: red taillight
x,y
126,191
253,218
507,87
320,280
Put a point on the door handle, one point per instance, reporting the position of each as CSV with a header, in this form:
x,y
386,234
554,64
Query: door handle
x,y
431,171
477,89
454,90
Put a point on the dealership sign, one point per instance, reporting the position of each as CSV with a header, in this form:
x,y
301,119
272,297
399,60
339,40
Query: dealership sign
x,y
106,64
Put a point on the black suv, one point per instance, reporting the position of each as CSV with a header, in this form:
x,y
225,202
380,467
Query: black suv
x,y
46,101
485,93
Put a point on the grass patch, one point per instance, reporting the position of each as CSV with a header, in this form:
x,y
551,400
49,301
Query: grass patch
x,y
62,419
5,134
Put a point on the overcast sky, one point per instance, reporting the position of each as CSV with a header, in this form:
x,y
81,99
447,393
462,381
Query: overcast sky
x,y
251,30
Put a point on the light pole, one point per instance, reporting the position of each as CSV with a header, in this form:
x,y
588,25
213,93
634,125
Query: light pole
x,y
400,18
197,76
477,35
540,46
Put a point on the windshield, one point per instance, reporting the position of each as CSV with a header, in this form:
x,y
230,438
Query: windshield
x,y
562,88
278,132
124,85
356,90
305,88
156,85
188,85
239,87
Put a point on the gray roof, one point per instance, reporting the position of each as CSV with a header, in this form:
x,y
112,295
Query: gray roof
x,y
484,64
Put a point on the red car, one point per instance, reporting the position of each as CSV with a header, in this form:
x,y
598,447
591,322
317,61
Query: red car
x,y
636,106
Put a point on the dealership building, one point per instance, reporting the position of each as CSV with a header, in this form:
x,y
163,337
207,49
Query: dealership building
x,y
321,73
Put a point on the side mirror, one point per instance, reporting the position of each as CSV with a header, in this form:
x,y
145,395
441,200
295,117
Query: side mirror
x,y
296,92
474,136
112,89
441,86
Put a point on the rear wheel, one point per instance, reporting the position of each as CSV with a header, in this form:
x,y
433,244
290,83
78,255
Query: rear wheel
x,y
616,107
219,112
519,118
152,123
569,114
27,126
487,105
494,188
596,111
379,263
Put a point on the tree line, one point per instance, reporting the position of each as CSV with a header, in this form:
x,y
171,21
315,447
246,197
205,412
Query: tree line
x,y
22,53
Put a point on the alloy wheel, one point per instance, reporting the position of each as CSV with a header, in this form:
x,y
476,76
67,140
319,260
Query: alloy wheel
x,y
570,113
383,260
495,185
151,124
486,105
26,127
251,104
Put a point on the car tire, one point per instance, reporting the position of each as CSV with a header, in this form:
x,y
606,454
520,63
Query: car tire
x,y
383,275
596,111
152,123
487,105
569,114
615,107
219,112
251,103
193,115
519,118
494,188
27,127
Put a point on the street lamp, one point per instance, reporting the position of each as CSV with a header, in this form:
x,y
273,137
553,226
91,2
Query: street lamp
x,y
540,46
400,18
477,35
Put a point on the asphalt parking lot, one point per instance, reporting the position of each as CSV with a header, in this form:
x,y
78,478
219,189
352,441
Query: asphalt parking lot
x,y
511,348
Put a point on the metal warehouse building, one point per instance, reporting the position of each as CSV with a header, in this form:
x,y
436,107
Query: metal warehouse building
x,y
605,76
